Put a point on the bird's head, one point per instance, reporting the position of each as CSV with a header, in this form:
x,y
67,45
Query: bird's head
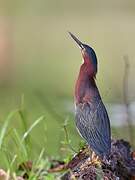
x,y
88,54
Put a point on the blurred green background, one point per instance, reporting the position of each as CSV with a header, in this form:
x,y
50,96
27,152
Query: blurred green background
x,y
38,60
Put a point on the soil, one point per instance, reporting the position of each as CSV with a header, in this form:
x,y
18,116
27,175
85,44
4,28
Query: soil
x,y
120,165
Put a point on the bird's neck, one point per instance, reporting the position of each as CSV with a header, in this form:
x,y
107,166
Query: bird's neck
x,y
85,85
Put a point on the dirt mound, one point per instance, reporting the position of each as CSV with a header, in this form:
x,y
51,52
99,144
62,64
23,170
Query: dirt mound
x,y
119,166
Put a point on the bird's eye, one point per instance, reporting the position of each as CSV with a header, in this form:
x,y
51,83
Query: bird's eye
x,y
83,50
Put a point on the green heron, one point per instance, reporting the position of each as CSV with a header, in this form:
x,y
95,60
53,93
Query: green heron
x,y
91,117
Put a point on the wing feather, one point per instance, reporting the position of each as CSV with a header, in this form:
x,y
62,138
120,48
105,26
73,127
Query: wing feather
x,y
94,126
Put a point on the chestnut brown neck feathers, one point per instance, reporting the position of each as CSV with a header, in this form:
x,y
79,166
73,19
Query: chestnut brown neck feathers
x,y
85,85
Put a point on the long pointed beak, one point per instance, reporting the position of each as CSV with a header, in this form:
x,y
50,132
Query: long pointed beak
x,y
80,44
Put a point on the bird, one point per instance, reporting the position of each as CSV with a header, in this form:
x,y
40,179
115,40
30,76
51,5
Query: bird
x,y
91,117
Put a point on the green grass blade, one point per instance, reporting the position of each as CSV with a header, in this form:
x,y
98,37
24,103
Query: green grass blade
x,y
21,146
5,126
37,165
26,134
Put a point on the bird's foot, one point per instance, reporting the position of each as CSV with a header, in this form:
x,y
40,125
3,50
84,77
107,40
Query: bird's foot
x,y
106,160
95,159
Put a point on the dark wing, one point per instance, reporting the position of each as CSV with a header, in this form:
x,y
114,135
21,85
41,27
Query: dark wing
x,y
93,124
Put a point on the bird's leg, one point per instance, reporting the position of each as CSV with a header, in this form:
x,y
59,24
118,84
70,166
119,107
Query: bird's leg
x,y
106,161
95,159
